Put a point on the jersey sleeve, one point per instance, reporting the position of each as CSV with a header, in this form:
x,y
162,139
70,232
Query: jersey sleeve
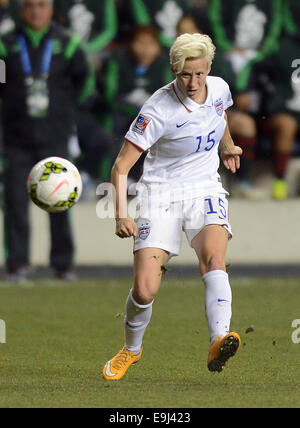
x,y
147,128
228,101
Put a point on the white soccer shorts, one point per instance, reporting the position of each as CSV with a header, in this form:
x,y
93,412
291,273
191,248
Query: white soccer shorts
x,y
162,226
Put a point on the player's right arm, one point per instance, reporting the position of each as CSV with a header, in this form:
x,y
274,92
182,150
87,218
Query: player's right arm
x,y
128,156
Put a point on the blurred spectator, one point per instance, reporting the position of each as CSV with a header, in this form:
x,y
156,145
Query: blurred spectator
x,y
243,130
199,11
96,144
7,22
188,24
242,125
291,18
131,75
163,14
248,30
47,72
279,78
96,23
93,20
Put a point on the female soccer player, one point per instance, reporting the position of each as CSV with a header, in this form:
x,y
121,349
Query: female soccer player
x,y
182,125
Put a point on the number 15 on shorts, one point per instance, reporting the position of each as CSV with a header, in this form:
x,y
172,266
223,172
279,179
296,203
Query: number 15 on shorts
x,y
216,206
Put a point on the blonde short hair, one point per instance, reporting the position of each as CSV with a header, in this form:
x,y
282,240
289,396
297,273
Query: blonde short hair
x,y
191,46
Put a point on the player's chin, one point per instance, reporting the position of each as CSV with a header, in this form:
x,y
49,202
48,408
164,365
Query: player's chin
x,y
192,94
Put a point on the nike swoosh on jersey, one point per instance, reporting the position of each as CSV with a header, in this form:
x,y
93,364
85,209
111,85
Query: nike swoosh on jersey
x,y
108,372
179,126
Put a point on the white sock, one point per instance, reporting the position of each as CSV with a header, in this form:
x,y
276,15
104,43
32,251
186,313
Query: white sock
x,y
137,318
218,300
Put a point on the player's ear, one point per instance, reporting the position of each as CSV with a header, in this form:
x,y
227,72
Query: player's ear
x,y
173,70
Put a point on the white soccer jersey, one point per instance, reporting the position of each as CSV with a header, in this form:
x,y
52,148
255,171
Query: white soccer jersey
x,y
182,137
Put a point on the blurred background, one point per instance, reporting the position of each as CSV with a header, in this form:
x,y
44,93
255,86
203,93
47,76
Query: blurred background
x,y
126,43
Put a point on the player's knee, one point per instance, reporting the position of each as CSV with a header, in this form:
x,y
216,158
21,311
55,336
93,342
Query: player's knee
x,y
212,262
142,293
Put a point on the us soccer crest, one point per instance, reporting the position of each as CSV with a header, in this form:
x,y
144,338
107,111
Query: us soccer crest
x,y
219,107
144,231
141,124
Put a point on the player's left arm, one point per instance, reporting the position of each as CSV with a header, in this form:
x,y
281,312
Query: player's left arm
x,y
230,153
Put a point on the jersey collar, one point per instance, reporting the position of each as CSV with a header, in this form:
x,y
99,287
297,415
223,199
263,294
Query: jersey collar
x,y
188,103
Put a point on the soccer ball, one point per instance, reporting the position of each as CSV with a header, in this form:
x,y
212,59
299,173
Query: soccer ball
x,y
54,185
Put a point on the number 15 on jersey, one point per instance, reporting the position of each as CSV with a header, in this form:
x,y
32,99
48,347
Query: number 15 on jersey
x,y
210,142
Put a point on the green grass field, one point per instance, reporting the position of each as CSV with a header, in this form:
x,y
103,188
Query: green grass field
x,y
59,336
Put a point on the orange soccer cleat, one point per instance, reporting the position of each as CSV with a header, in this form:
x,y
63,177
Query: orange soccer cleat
x,y
221,350
116,368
